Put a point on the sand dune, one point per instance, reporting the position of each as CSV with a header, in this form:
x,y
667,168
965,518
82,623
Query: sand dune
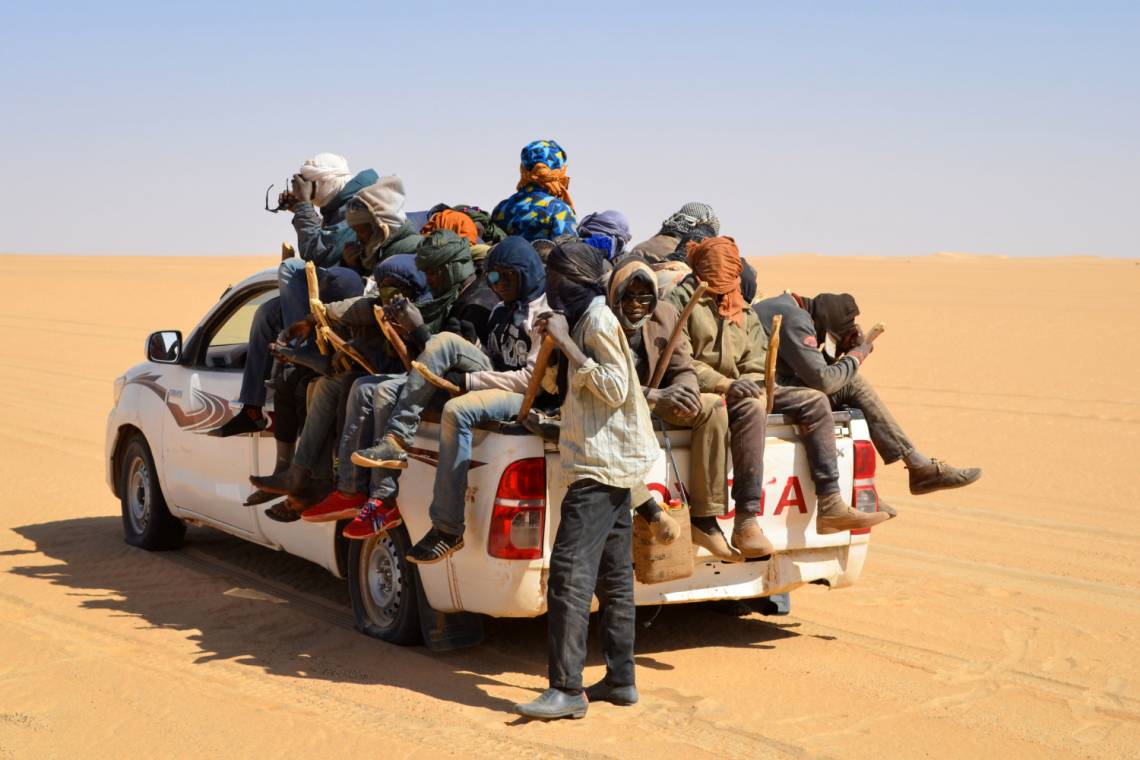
x,y
996,621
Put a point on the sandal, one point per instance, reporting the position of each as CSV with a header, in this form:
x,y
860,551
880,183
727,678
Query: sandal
x,y
286,511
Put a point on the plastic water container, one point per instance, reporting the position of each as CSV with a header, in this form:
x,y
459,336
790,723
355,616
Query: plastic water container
x,y
657,563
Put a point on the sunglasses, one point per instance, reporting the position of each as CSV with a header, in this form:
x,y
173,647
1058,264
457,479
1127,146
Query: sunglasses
x,y
496,275
642,300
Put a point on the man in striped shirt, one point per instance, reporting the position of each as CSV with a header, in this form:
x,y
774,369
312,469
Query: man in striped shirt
x,y
607,446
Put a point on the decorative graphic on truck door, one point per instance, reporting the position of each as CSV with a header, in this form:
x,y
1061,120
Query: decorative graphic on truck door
x,y
211,410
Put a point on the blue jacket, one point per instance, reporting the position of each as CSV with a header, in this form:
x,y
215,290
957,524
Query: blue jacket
x,y
321,237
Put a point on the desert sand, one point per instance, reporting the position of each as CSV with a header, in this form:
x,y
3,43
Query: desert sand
x,y
996,621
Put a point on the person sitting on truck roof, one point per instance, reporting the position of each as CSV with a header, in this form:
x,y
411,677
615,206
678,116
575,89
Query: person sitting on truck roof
x,y
492,376
662,245
542,207
728,357
607,231
607,446
822,347
309,480
465,303
323,181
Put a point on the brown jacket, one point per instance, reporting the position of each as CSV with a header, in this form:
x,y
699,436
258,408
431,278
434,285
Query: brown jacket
x,y
722,351
657,247
655,335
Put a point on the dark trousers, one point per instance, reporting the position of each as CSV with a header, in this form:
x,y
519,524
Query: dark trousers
x,y
811,411
886,433
747,428
592,554
289,403
266,325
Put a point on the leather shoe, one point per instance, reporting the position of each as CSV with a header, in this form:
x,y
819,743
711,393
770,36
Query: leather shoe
x,y
553,704
617,695
939,475
749,539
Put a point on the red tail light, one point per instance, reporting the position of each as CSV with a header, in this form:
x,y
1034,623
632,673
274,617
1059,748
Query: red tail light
x,y
864,497
519,517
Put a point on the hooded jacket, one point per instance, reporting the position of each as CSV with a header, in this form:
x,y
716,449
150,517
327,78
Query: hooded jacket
x,y
511,344
655,334
321,237
800,360
357,316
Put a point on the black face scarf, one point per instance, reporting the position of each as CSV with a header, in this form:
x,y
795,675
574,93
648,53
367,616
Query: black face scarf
x,y
576,274
832,313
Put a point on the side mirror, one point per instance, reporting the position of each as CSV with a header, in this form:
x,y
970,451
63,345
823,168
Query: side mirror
x,y
164,347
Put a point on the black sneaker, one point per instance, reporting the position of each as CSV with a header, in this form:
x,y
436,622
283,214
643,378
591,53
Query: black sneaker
x,y
434,547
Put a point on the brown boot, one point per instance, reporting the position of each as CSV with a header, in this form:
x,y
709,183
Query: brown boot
x,y
938,476
283,482
749,538
834,516
708,535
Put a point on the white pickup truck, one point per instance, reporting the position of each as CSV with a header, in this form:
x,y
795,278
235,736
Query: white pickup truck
x,y
167,473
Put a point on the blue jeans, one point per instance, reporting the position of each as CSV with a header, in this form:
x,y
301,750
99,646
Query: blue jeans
x,y
258,361
443,353
335,284
369,403
460,415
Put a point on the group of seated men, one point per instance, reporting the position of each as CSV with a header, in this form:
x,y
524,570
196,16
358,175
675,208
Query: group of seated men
x,y
470,296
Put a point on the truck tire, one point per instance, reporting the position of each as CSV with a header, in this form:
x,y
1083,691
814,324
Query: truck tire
x,y
147,523
382,585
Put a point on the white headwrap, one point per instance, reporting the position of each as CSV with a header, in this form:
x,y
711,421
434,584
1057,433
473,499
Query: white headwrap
x,y
331,174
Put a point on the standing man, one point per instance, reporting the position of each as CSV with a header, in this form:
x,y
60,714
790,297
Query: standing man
x,y
607,446
822,347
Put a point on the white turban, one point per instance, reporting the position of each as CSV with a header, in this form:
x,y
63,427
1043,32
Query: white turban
x,y
331,174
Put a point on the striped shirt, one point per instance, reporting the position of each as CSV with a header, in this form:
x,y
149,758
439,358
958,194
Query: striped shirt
x,y
607,434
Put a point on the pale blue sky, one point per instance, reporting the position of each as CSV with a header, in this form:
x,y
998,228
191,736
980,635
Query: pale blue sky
x,y
833,127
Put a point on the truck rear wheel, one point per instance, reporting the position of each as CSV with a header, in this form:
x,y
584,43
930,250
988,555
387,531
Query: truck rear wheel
x,y
147,523
382,585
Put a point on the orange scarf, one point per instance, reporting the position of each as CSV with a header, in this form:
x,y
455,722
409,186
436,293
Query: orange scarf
x,y
716,261
553,181
456,221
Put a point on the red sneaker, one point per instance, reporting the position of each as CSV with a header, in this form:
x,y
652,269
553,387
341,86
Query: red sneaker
x,y
336,506
377,517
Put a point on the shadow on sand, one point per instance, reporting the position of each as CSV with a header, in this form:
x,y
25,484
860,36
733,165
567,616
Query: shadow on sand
x,y
230,621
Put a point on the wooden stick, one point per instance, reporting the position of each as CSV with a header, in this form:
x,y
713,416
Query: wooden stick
x,y
436,380
540,363
287,251
675,338
876,331
316,306
393,337
770,362
346,348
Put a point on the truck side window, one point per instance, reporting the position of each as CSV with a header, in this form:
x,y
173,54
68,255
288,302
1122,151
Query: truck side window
x,y
226,348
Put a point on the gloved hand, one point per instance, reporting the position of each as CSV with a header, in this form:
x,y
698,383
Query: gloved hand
x,y
744,388
457,377
862,351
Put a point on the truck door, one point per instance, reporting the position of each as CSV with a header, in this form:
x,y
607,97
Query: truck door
x,y
205,475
